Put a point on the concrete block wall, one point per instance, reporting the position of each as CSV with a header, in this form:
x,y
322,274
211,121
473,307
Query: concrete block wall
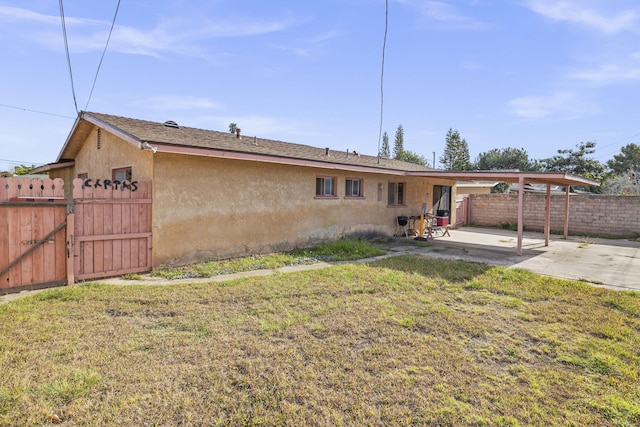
x,y
602,215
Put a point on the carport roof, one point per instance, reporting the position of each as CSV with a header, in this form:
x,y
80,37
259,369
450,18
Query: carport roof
x,y
553,178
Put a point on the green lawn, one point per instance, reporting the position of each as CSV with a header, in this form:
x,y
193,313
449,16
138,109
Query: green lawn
x,y
402,341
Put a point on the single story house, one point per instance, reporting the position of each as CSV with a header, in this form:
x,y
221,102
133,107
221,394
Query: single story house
x,y
218,195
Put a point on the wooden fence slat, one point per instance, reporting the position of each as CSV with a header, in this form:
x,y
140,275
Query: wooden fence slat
x,y
60,246
15,274
37,221
98,245
26,235
4,240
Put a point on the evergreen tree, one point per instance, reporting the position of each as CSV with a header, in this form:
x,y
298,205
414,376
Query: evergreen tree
x,y
455,156
385,150
411,157
398,147
576,162
505,159
627,160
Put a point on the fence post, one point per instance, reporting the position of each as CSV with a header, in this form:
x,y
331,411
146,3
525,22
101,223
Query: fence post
x,y
70,256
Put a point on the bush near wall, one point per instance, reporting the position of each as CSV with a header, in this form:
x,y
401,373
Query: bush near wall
x,y
597,215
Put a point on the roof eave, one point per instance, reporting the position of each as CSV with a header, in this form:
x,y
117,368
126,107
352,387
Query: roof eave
x,y
54,166
241,155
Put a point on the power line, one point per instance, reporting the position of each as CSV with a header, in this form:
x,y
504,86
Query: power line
x,y
35,111
18,162
113,23
66,49
384,46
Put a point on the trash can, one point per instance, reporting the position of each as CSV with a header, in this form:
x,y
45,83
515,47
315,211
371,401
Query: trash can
x,y
442,218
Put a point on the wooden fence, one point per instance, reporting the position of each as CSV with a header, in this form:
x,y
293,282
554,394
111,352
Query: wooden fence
x,y
46,240
33,234
112,230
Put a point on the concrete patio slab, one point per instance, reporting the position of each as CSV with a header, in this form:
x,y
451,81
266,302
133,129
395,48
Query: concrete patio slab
x,y
602,262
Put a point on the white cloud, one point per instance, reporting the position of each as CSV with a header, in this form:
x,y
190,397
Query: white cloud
x,y
556,106
620,70
171,36
579,12
609,74
445,14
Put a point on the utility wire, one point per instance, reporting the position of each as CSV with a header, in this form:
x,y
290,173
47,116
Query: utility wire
x,y
66,49
36,111
384,46
113,23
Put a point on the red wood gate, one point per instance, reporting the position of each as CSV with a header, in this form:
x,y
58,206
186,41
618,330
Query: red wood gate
x,y
112,230
33,219
45,240
462,210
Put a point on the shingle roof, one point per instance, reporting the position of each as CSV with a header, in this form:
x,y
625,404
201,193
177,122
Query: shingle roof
x,y
155,132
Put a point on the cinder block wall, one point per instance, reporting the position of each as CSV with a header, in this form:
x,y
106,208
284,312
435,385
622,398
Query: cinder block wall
x,y
588,214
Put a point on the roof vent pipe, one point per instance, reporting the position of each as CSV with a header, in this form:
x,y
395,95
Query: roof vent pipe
x,y
326,151
238,133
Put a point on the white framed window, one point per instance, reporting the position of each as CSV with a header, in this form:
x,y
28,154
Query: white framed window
x,y
121,174
325,186
396,194
353,187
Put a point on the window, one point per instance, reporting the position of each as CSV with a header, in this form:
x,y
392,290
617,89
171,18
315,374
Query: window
x,y
396,194
353,187
325,187
121,174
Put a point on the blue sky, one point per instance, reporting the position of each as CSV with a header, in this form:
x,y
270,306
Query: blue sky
x,y
541,75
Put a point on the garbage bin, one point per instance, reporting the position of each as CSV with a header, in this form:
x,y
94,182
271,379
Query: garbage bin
x,y
442,218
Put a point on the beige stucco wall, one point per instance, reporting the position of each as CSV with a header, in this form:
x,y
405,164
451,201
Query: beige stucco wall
x,y
99,162
208,208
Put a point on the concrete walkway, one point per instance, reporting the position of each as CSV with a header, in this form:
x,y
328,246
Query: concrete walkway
x,y
614,264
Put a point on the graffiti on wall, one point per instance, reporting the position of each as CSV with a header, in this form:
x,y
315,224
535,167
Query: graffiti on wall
x,y
107,183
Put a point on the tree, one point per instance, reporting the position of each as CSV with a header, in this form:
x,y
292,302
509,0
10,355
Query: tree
x,y
505,159
398,146
233,127
385,150
576,162
455,156
23,169
411,157
628,160
626,184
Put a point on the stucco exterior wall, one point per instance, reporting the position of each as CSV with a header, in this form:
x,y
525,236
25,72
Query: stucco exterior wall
x,y
603,215
212,208
113,153
99,162
209,208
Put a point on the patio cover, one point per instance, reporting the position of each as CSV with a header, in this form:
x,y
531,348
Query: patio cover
x,y
522,178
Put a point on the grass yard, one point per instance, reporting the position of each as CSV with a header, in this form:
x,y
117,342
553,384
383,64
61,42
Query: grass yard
x,y
402,341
